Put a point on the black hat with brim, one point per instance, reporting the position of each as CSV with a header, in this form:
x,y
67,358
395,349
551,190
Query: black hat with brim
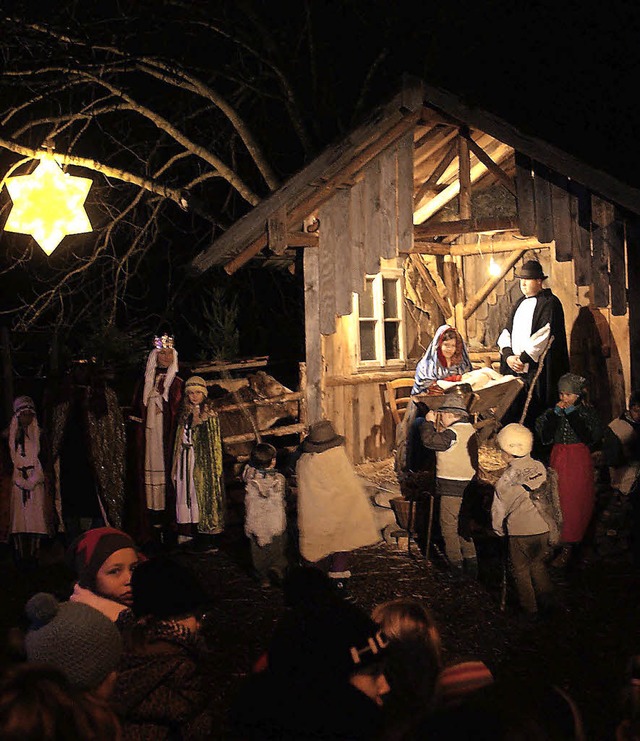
x,y
531,270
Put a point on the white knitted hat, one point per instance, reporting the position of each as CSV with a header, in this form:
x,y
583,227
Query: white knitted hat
x,y
515,439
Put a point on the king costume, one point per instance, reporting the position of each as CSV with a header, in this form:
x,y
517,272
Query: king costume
x,y
154,416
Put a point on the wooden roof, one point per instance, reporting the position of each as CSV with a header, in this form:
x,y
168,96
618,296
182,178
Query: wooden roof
x,y
441,124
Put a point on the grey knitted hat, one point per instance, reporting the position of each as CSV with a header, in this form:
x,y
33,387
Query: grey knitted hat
x,y
571,383
75,638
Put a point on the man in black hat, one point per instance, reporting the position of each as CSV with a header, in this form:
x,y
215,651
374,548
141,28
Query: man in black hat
x,y
535,318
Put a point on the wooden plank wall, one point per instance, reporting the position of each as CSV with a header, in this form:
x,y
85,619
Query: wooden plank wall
x,y
359,226
587,229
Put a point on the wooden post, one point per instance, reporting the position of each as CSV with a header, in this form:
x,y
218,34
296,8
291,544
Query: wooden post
x,y
633,265
313,339
524,190
302,388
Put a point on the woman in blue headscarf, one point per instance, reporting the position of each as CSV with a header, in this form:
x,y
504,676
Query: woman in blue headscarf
x,y
446,359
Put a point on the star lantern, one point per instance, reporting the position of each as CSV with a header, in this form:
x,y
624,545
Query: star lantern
x,y
48,204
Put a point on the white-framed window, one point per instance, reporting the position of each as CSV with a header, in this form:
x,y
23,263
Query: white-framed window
x,y
379,309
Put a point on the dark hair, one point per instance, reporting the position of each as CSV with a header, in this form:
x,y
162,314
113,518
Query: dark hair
x,y
262,455
37,703
449,334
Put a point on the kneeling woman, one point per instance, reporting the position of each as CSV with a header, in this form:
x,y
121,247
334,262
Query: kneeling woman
x,y
446,359
573,428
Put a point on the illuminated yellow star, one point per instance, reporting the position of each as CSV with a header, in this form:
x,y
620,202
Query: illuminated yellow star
x,y
48,204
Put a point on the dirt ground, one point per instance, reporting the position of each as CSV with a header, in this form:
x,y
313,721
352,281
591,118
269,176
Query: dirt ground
x,y
583,648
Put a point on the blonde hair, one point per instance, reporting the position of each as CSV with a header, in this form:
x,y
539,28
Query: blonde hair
x,y
402,619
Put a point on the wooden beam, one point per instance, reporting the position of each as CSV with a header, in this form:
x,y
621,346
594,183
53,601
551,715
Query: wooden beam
x,y
580,209
432,181
323,191
618,278
602,218
302,239
464,176
484,248
246,437
478,171
542,195
313,339
363,378
277,231
479,152
501,245
443,304
524,195
480,295
465,226
632,226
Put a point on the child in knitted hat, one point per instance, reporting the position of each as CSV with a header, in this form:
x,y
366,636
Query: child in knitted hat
x,y
574,429
160,687
197,469
104,559
265,521
75,638
514,513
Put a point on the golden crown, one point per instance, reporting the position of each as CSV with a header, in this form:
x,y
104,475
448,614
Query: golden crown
x,y
163,343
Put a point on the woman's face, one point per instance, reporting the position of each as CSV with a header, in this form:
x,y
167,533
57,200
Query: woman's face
x,y
195,396
165,357
448,348
25,418
113,579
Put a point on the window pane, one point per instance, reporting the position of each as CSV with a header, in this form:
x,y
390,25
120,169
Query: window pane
x,y
367,340
392,340
366,300
390,297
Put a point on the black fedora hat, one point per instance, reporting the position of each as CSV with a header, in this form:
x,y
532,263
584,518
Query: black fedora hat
x,y
321,437
531,269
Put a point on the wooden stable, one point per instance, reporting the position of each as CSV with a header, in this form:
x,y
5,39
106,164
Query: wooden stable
x,y
420,216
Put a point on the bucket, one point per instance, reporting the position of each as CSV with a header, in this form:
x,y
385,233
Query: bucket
x,y
404,509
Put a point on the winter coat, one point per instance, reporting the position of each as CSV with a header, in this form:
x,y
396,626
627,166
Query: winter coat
x,y
334,513
513,502
159,692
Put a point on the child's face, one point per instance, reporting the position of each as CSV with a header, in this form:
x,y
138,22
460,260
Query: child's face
x,y
195,396
567,399
634,413
448,348
113,579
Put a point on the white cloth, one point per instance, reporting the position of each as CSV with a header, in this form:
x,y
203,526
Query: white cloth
x,y
520,339
264,504
150,380
334,512
154,472
187,510
28,492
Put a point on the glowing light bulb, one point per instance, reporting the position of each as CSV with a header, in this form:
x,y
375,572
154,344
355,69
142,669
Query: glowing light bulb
x,y
494,268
